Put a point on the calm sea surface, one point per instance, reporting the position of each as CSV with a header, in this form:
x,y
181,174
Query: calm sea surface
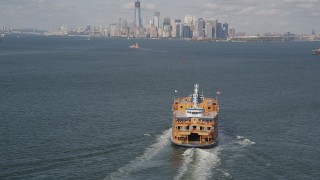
x,y
77,109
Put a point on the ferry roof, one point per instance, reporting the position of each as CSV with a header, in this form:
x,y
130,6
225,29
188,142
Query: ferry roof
x,y
181,114
187,100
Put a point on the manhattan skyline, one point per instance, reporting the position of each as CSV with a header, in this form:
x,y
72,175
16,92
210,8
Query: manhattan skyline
x,y
250,16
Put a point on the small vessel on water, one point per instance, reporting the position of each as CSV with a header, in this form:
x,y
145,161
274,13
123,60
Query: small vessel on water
x,y
195,120
316,52
135,46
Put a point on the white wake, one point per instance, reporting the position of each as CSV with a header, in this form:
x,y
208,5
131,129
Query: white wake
x,y
199,163
196,163
203,164
244,141
139,162
187,159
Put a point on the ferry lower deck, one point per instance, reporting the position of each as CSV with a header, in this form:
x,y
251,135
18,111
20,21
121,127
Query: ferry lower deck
x,y
195,132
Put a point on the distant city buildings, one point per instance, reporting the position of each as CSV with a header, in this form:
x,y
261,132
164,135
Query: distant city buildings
x,y
188,27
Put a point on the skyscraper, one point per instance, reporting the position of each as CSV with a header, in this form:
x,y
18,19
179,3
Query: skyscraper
x,y
187,33
198,28
177,31
225,30
137,11
166,21
219,30
189,20
174,27
211,28
156,20
166,31
232,32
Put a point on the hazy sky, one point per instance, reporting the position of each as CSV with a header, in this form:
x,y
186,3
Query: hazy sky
x,y
252,16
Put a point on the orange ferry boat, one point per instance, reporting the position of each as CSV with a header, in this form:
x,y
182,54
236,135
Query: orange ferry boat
x,y
195,120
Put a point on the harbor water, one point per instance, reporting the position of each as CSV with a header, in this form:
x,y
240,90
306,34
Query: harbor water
x,y
72,108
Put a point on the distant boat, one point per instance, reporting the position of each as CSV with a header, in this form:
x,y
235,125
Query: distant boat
x,y
134,46
316,52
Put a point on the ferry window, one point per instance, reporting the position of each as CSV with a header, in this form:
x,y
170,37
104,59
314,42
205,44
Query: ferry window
x,y
194,127
209,128
187,127
179,127
201,128
181,106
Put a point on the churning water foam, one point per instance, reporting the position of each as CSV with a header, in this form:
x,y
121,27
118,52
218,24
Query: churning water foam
x,y
244,141
138,163
199,163
187,159
203,163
